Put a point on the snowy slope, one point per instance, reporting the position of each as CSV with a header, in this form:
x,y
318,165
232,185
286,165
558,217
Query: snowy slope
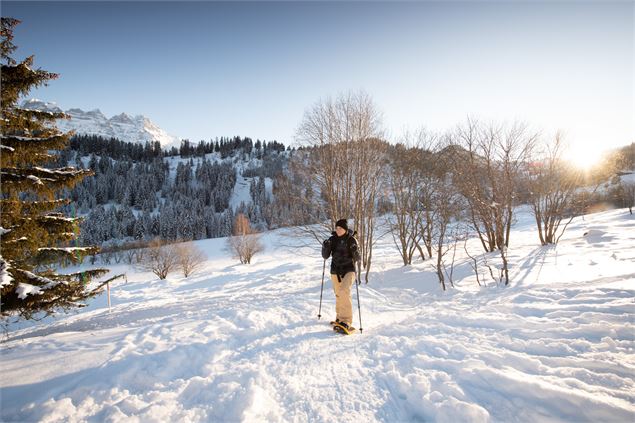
x,y
123,127
241,193
242,343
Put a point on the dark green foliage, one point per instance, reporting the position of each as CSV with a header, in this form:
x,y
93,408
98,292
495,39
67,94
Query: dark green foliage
x,y
35,237
86,145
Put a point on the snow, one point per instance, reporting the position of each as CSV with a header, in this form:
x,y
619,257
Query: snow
x,y
42,106
123,127
67,171
5,277
241,193
35,180
46,283
67,249
628,178
25,289
19,138
269,188
243,343
60,218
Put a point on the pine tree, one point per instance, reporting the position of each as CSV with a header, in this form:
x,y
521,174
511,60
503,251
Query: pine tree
x,y
34,234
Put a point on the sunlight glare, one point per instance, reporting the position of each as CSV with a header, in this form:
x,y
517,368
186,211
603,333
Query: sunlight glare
x,y
584,157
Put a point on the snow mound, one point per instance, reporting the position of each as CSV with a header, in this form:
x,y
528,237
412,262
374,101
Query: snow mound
x,y
243,343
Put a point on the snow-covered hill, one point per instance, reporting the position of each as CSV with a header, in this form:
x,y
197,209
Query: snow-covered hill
x,y
243,343
123,127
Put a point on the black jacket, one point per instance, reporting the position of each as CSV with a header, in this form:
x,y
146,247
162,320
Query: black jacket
x,y
344,251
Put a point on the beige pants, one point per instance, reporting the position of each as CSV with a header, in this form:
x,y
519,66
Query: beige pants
x,y
343,301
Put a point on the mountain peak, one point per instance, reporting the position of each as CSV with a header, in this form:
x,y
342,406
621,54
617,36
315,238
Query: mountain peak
x,y
42,106
122,126
121,118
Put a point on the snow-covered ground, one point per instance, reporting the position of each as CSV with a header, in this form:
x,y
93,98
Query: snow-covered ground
x,y
243,343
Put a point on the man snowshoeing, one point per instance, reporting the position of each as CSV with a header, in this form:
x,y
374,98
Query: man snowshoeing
x,y
342,247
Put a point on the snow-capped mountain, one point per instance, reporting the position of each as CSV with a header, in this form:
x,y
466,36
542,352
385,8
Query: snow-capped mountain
x,y
123,127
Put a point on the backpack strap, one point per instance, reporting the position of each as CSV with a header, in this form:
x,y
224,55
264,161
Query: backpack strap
x,y
349,242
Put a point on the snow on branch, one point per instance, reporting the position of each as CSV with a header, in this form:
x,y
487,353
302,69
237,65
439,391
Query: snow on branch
x,y
35,179
65,171
5,277
60,218
21,239
43,282
25,289
67,252
18,139
67,249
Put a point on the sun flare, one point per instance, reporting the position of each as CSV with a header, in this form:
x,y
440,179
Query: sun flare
x,y
584,157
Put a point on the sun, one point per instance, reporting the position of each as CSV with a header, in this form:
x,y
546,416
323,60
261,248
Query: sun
x,y
584,157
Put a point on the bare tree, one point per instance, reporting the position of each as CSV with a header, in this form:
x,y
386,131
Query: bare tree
x,y
118,254
623,192
629,195
160,258
294,194
551,185
106,256
130,255
344,163
245,242
403,180
190,257
411,179
491,160
443,207
434,177
369,171
140,255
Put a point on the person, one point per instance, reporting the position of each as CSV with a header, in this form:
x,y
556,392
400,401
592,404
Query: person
x,y
344,252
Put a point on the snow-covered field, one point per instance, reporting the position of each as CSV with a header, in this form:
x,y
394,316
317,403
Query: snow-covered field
x,y
243,343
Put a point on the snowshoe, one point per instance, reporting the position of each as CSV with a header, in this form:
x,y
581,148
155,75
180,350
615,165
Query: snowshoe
x,y
343,328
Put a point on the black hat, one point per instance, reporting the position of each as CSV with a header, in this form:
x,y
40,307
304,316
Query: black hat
x,y
342,224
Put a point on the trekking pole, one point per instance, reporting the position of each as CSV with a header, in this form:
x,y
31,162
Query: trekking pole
x,y
321,290
359,307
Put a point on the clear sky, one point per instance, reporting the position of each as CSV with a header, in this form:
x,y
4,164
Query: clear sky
x,y
206,69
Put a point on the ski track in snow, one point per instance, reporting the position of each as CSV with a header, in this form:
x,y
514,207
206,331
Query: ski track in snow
x,y
243,343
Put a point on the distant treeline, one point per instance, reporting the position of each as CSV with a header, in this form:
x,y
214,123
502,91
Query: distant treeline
x,y
87,145
116,149
226,147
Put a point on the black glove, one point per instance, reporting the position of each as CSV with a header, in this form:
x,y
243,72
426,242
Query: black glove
x,y
326,249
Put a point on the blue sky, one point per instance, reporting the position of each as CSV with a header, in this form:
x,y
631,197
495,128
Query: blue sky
x,y
207,69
